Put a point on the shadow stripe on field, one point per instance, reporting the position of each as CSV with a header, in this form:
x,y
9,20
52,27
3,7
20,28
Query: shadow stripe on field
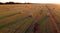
x,y
8,16
13,22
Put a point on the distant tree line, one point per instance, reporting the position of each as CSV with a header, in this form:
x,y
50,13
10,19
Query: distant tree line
x,y
13,3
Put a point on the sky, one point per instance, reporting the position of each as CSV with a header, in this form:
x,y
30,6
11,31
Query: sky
x,y
33,1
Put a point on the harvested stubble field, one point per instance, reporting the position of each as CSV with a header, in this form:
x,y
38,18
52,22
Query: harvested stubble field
x,y
15,18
